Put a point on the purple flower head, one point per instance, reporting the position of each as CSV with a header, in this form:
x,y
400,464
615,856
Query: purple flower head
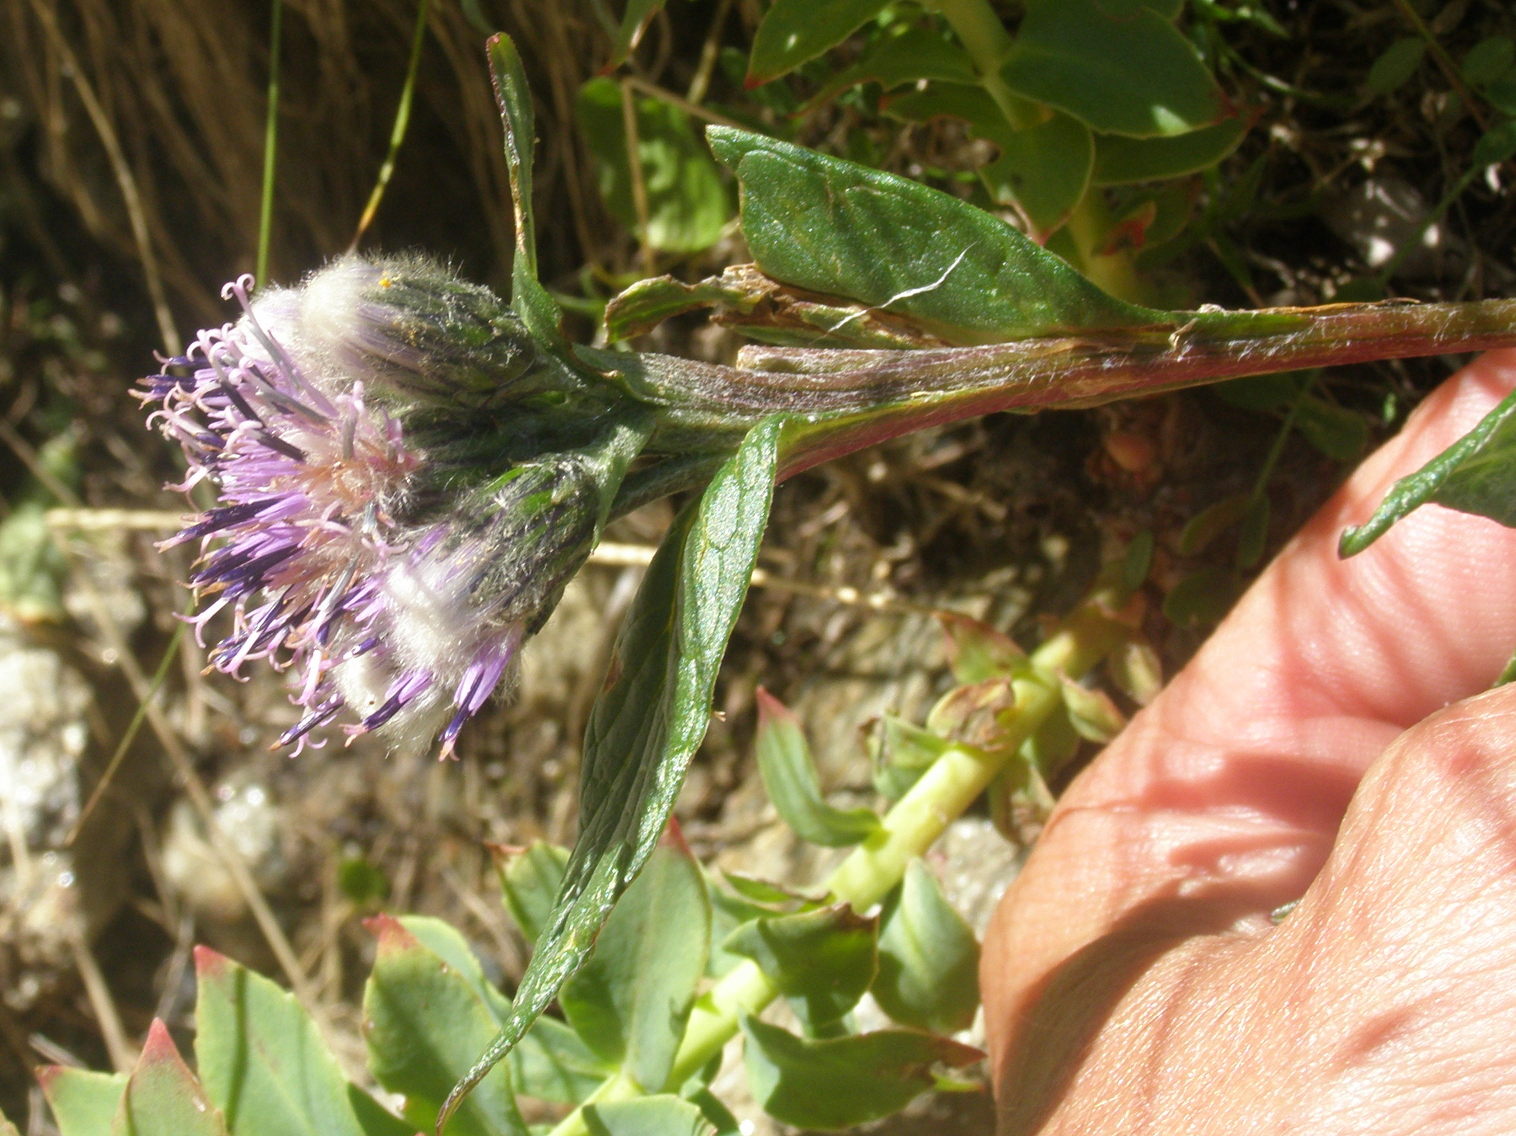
x,y
413,328
448,617
394,584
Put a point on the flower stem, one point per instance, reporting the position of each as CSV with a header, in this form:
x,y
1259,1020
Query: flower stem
x,y
942,794
842,400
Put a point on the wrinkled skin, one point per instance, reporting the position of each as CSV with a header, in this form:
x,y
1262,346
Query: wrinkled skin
x,y
1329,744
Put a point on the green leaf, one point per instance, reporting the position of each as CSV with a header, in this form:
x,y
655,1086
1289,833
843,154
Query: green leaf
x,y
530,880
662,1115
1335,431
1090,711
448,944
1127,73
1042,169
1208,524
264,1064
634,21
716,1114
822,961
840,1082
794,31
650,718
901,751
1200,599
789,778
1476,474
1488,60
1395,64
551,1063
904,54
424,1023
529,298
684,200
162,1097
630,1001
977,651
928,958
836,227
83,1102
1122,161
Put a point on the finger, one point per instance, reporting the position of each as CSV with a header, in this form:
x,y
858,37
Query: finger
x,y
1222,799
1382,1004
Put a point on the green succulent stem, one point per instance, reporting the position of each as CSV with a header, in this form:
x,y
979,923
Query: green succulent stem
x,y
942,794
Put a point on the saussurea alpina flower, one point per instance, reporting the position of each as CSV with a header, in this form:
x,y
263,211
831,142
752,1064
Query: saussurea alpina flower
x,y
357,539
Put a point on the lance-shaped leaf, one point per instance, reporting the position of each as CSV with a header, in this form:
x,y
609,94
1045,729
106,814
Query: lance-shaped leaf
x,y
843,1081
650,717
928,958
837,227
162,1097
634,21
424,1023
83,1101
1476,474
264,1064
528,297
632,998
789,778
822,961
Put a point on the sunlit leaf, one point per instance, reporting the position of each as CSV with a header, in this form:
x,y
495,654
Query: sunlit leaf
x,y
1042,169
650,717
1121,160
162,1097
1476,474
424,1024
789,778
630,1001
674,180
836,227
793,31
977,651
840,1082
264,1064
530,880
822,961
1127,73
529,298
662,1115
928,958
83,1102
551,1063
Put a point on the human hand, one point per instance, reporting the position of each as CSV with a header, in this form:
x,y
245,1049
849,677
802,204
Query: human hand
x,y
1133,980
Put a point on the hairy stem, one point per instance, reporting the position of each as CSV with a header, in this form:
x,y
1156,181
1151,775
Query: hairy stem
x,y
843,400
